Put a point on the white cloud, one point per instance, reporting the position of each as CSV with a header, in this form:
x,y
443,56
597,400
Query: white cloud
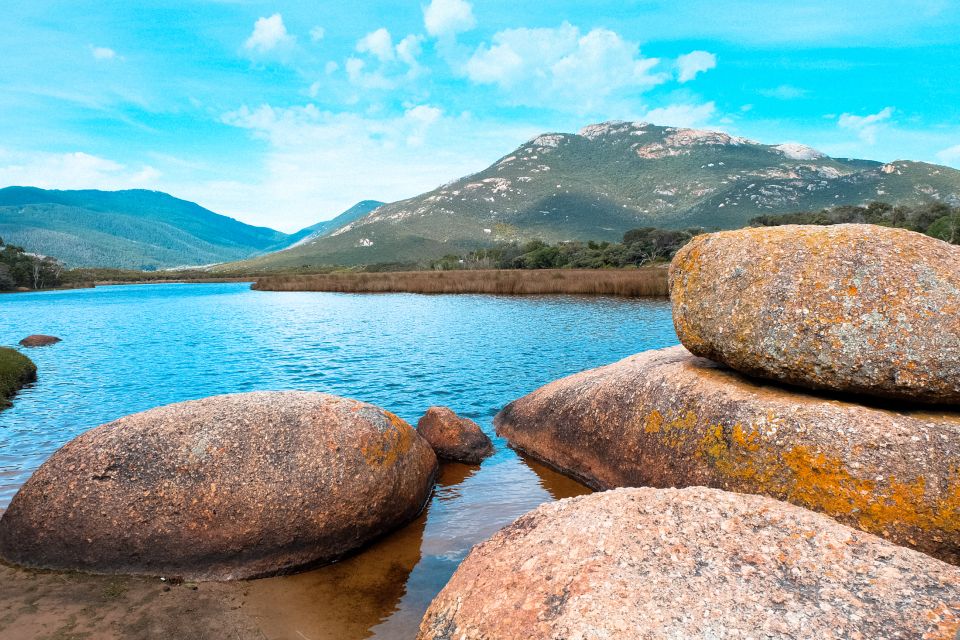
x,y
378,44
359,76
420,118
785,92
695,62
448,17
317,33
682,115
330,67
309,173
867,126
409,49
103,53
950,155
562,68
269,34
74,170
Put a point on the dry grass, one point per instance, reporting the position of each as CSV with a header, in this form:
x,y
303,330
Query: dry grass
x,y
612,282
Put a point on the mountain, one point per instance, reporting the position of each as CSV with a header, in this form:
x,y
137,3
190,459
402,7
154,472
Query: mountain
x,y
614,176
321,229
134,229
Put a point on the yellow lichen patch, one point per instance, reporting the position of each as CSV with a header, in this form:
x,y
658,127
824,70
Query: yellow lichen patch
x,y
653,422
741,460
395,441
822,483
735,454
744,458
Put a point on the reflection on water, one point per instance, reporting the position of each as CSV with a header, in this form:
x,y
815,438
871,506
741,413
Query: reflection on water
x,y
127,349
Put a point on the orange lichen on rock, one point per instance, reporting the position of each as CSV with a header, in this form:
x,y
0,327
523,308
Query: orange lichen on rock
x,y
855,308
228,487
385,448
667,418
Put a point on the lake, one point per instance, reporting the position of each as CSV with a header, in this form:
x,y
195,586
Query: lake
x,y
129,348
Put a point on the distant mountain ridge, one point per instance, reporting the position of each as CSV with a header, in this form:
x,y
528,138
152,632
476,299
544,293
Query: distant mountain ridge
x,y
614,176
138,229
321,229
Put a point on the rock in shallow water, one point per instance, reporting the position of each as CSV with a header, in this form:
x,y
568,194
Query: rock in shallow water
x,y
228,487
669,419
39,340
691,563
454,438
856,308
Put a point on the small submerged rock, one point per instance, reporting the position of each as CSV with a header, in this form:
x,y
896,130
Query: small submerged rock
x,y
691,563
228,487
454,438
853,307
669,419
39,340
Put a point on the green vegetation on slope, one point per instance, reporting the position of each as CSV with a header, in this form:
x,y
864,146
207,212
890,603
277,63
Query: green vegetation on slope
x,y
16,370
126,229
321,229
610,178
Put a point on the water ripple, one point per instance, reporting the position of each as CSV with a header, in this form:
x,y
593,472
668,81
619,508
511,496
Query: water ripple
x,y
127,349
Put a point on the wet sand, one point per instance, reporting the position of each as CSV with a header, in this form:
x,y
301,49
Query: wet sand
x,y
379,593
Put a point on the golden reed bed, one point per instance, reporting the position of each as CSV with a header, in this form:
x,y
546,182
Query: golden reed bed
x,y
650,281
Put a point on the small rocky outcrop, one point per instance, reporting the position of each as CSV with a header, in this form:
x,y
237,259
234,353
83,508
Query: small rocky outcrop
x,y
855,308
691,563
670,419
228,487
39,340
454,438
16,371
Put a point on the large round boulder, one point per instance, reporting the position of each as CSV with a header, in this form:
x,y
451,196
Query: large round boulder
x,y
691,563
454,438
670,419
228,487
852,307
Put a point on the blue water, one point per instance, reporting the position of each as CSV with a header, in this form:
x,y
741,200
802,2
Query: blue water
x,y
130,348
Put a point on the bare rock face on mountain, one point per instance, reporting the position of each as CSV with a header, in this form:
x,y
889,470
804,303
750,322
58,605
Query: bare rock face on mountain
x,y
228,487
669,419
39,340
853,308
454,438
691,563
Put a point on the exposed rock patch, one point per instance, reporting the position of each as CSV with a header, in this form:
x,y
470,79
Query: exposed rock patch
x,y
454,438
228,487
667,418
691,563
39,340
856,308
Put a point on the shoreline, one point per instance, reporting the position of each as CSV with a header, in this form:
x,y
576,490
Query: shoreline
x,y
644,282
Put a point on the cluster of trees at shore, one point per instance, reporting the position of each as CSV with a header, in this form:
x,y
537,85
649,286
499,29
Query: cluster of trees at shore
x,y
639,247
936,219
19,269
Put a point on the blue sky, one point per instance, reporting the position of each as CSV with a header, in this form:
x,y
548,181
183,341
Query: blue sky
x,y
286,113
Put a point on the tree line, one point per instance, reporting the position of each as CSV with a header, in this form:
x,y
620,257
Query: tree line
x,y
650,245
639,247
19,269
936,219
